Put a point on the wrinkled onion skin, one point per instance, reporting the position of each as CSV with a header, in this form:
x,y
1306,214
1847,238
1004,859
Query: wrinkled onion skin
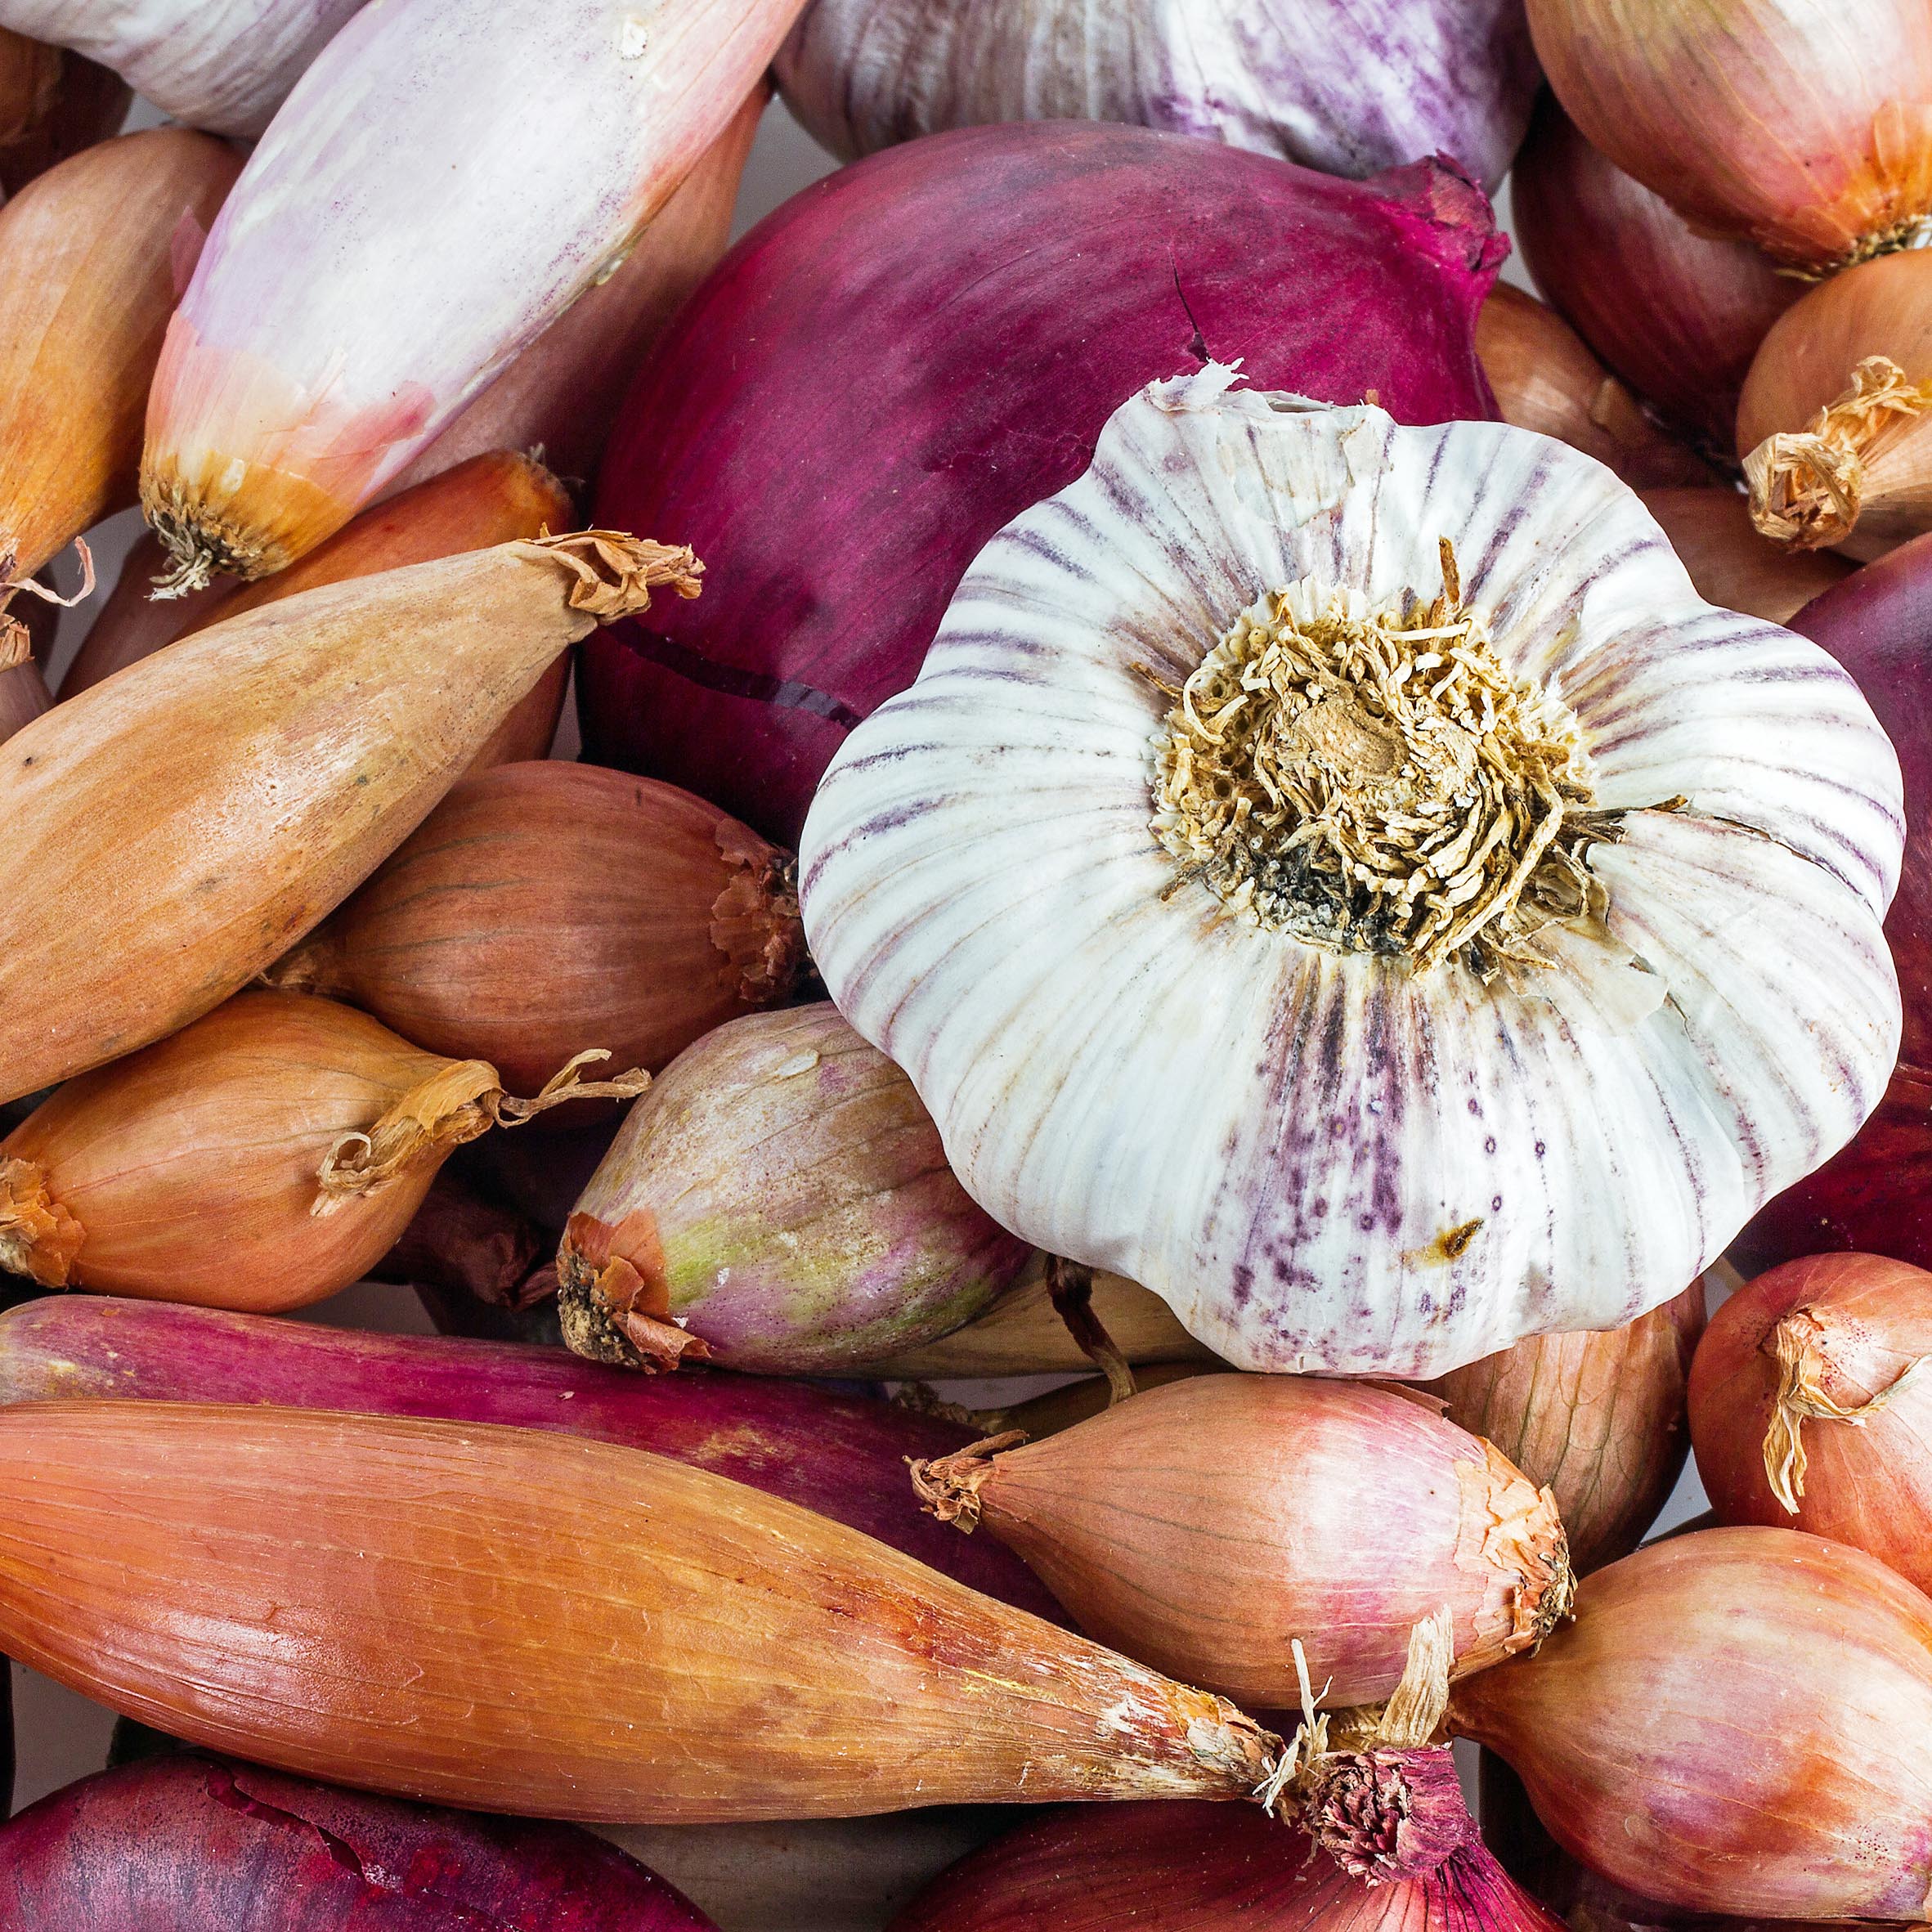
x,y
1197,1868
195,1843
1738,1721
1869,1486
824,412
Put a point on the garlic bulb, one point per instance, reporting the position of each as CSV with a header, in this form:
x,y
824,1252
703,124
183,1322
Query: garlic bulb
x,y
1379,962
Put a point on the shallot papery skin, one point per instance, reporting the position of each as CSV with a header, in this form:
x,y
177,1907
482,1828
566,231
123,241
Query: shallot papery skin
x,y
1211,1524
843,1456
222,65
1201,1868
910,353
1809,1390
1738,1721
459,175
53,104
189,1843
512,1620
1342,88
1731,563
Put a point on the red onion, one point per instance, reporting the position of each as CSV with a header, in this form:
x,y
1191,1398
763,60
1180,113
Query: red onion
x,y
199,1844
1677,315
1738,1721
889,369
841,1456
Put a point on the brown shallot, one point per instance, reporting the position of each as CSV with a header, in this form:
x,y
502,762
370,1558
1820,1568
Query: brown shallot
x,y
510,1619
1731,564
53,103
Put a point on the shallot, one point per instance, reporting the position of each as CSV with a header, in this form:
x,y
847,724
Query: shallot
x,y
1730,563
53,104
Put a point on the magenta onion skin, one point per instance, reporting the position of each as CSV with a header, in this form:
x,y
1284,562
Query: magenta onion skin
x,y
190,1843
1195,1867
1875,1196
843,1456
889,369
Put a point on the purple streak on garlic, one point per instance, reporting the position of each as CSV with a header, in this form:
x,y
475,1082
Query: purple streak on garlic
x,y
1359,1133
1335,85
226,65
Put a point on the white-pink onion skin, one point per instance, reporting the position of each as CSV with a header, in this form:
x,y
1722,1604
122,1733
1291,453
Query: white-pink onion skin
x,y
1738,1721
442,183
222,65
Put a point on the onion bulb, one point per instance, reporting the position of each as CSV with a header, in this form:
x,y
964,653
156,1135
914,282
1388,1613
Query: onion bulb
x,y
1729,560
261,1159
173,830
543,905
1738,1721
1803,127
511,1619
53,104
1210,1524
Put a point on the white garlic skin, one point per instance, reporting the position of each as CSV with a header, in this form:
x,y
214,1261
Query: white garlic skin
x,y
1341,85
1289,1145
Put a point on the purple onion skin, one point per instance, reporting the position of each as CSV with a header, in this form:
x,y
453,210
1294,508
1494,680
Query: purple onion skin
x,y
886,371
1875,1197
194,1844
843,1456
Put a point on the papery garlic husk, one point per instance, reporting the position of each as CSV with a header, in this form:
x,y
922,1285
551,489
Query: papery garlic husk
x,y
1835,426
1388,1161
1211,1525
1803,127
53,104
545,904
1731,561
779,1201
1321,83
93,256
510,1620
284,399
1596,1419
259,1159
171,832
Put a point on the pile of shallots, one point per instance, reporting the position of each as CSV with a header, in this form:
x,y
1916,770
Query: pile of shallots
x,y
1233,930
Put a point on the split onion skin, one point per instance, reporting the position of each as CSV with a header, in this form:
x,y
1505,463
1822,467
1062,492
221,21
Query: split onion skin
x,y
1738,1721
904,279
843,1457
173,831
1597,1419
543,907
1209,1524
1731,564
1679,316
189,1843
1864,1321
53,104
510,1619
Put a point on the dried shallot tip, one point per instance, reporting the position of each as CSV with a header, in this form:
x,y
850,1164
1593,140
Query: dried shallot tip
x,y
512,1620
1430,798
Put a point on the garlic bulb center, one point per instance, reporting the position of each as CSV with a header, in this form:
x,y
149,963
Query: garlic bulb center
x,y
1374,780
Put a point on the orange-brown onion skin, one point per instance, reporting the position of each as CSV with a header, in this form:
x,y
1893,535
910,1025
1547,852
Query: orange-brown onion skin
x,y
192,1166
1546,379
546,907
1803,128
1738,1721
1869,1484
512,1620
1597,1419
1732,565
1677,314
1218,1519
53,103
1199,1868
1805,364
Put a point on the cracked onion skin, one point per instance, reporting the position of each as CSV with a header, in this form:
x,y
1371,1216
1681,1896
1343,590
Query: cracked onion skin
x,y
545,905
904,280
1209,1523
510,1620
189,1843
1854,1327
1596,1419
841,1456
1737,1721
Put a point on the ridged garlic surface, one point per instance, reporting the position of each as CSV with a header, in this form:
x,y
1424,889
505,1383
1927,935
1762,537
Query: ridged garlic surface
x,y
1613,975
1339,85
